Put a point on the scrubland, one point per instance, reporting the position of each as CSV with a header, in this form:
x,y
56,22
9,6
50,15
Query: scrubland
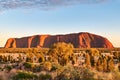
x,y
60,62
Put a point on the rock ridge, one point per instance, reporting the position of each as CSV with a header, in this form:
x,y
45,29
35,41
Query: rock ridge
x,y
79,40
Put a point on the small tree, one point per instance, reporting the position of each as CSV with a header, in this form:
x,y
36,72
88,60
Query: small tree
x,y
87,60
29,57
105,64
40,57
110,63
100,64
62,53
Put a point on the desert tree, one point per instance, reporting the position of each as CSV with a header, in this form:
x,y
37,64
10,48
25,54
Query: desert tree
x,y
110,64
104,64
62,53
87,60
40,57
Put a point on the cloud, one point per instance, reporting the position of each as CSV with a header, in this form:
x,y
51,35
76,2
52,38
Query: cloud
x,y
42,4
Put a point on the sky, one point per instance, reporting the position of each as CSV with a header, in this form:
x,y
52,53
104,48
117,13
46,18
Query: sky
x,y
20,19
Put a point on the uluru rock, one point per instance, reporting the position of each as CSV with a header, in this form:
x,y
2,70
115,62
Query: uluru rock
x,y
79,40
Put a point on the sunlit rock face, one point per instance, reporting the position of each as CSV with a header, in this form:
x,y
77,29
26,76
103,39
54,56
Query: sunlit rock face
x,y
79,40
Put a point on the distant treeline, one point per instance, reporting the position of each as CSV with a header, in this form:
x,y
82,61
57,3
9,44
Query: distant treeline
x,y
24,50
45,50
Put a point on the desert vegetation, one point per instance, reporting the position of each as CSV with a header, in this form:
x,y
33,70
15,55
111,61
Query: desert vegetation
x,y
60,62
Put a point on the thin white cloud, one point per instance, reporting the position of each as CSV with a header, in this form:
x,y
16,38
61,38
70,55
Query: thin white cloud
x,y
13,4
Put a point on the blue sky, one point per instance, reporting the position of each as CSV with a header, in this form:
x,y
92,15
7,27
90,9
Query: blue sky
x,y
101,18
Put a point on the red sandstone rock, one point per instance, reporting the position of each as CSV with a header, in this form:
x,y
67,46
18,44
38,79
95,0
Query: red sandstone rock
x,y
79,40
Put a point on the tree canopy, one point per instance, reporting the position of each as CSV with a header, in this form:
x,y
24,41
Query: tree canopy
x,y
62,53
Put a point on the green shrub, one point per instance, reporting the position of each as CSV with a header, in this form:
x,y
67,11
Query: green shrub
x,y
45,77
37,68
27,65
54,68
68,73
87,74
25,76
8,68
75,73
